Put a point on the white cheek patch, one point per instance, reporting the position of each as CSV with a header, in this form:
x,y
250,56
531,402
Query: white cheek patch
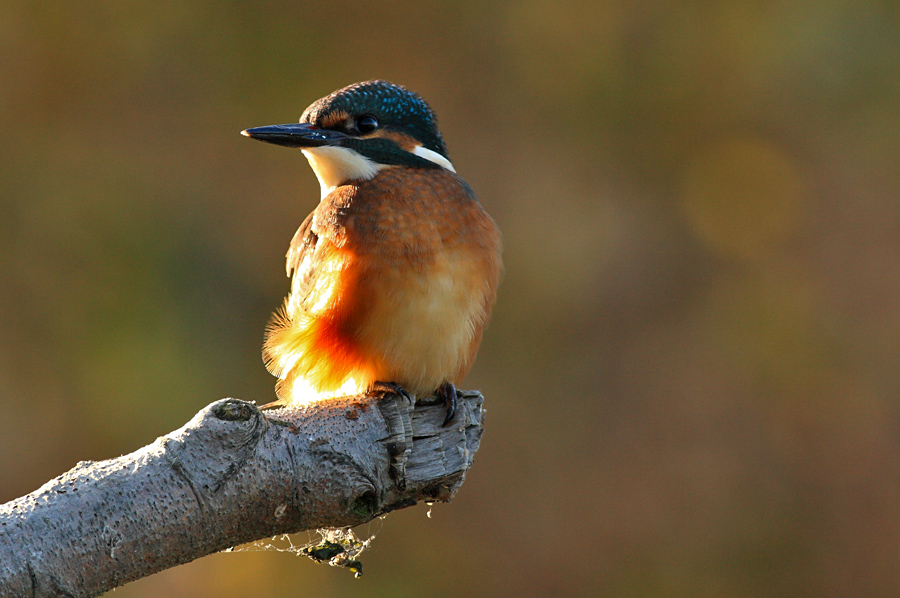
x,y
335,166
432,156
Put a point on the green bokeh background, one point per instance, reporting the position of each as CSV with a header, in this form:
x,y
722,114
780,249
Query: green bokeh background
x,y
691,377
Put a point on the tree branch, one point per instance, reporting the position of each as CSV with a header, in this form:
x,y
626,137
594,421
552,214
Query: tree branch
x,y
232,475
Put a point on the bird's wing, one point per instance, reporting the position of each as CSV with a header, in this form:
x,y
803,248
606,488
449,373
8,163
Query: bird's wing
x,y
317,265
301,262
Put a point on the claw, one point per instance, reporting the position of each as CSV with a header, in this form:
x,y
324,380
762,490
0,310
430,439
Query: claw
x,y
389,388
451,401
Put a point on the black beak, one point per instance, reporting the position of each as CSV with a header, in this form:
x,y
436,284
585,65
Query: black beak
x,y
295,135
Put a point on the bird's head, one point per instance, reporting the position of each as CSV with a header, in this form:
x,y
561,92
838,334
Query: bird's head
x,y
356,131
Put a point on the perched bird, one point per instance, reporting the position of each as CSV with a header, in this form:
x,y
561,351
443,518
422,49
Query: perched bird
x,y
395,272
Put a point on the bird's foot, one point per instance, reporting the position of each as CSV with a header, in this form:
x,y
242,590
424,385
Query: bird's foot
x,y
447,392
380,389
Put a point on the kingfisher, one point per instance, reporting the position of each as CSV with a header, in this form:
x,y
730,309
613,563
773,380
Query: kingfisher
x,y
395,273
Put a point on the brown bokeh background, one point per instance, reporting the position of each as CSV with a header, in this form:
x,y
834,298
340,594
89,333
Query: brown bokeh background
x,y
691,375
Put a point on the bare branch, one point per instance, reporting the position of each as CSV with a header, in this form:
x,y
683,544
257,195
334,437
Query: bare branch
x,y
232,475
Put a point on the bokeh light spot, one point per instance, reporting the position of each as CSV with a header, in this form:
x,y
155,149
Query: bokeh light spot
x,y
742,198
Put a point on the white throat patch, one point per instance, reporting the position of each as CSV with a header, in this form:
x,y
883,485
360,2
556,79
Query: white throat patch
x,y
335,166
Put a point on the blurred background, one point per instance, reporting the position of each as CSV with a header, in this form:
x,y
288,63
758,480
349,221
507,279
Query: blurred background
x,y
691,375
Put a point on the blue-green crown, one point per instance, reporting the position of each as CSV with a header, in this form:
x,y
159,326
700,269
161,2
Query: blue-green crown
x,y
395,107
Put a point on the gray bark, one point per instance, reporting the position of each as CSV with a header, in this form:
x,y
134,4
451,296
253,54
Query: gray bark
x,y
233,474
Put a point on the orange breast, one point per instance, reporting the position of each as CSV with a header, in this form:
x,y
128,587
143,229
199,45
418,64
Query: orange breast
x,y
430,268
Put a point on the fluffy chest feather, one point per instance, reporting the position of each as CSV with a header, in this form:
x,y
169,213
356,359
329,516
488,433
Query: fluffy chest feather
x,y
423,322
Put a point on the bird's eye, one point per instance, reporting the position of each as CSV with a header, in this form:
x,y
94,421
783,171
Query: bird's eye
x,y
366,124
